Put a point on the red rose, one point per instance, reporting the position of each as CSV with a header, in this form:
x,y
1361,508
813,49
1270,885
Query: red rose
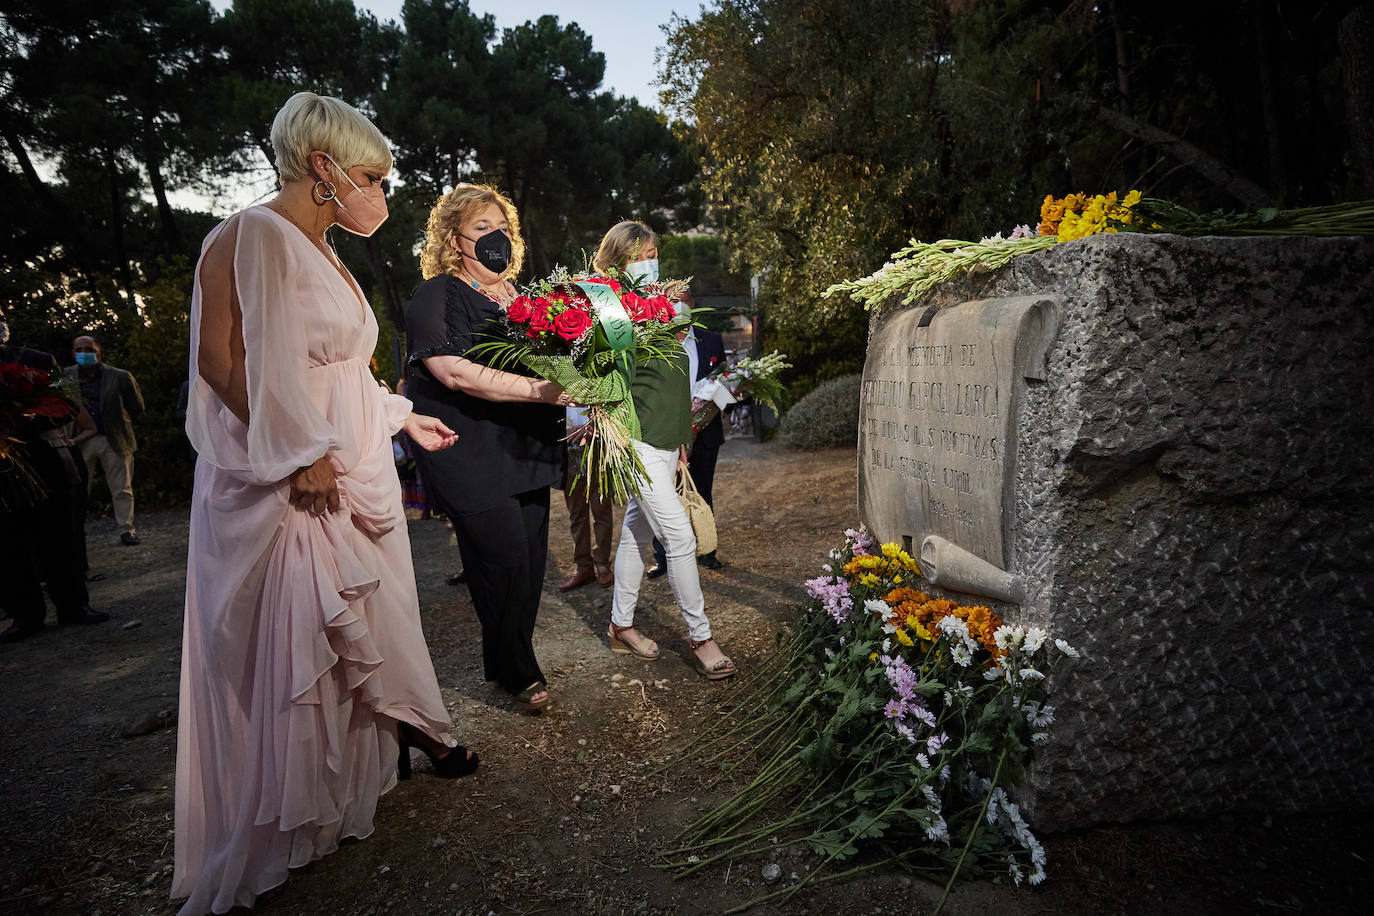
x,y
663,309
638,309
539,323
614,285
572,324
520,309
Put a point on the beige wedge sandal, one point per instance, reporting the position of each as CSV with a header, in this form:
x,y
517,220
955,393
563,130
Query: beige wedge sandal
x,y
625,647
722,669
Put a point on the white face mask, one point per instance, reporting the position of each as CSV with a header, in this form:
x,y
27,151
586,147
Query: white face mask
x,y
643,270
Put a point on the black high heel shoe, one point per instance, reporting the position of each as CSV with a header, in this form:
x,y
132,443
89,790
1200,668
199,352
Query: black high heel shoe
x,y
450,766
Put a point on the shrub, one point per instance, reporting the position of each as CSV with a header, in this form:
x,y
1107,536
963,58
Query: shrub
x,y
827,416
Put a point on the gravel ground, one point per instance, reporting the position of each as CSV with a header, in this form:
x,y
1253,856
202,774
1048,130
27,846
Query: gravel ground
x,y
565,815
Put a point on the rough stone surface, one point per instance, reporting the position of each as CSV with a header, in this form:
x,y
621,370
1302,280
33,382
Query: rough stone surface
x,y
1195,510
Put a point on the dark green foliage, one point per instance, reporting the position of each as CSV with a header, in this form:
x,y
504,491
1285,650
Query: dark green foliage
x,y
827,416
112,109
826,148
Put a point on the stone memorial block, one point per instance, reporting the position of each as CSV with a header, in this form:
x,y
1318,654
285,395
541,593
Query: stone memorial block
x,y
937,421
1184,490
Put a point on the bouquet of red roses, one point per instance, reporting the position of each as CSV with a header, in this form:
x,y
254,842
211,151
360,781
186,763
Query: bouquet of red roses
x,y
31,401
580,331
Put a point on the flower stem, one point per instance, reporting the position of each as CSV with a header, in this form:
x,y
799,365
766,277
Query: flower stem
x,y
973,832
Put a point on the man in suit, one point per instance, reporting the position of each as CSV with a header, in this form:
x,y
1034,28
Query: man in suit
x,y
35,530
113,400
705,353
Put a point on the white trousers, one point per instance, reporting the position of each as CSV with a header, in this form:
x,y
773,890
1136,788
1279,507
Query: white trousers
x,y
119,475
656,512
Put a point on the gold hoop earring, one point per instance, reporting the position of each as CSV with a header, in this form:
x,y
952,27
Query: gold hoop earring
x,y
323,192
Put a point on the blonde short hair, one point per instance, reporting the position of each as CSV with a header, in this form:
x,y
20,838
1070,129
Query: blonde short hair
x,y
447,216
309,122
622,243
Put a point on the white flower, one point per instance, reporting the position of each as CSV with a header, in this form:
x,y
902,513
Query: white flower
x,y
889,627
961,655
1041,718
874,606
1040,737
1035,638
829,655
932,800
1030,674
906,732
887,645
923,760
938,831
1067,649
953,627
992,673
1002,637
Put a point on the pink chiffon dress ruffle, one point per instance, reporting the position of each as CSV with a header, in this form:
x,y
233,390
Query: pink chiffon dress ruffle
x,y
302,646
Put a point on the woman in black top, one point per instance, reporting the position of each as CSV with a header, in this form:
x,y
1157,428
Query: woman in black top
x,y
494,485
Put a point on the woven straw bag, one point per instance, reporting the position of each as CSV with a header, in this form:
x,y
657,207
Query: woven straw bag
x,y
698,512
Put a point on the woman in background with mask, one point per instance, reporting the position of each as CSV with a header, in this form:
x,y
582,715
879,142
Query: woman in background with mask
x,y
305,677
662,397
495,489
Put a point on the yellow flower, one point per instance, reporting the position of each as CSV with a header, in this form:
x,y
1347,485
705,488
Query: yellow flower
x,y
904,639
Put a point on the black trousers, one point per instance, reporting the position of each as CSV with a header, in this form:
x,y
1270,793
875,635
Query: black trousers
x,y
36,545
504,551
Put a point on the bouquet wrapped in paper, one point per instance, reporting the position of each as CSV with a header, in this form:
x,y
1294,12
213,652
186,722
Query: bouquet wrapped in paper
x,y
747,378
581,331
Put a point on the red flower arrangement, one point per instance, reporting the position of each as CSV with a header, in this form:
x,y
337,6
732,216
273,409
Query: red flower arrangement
x,y
30,401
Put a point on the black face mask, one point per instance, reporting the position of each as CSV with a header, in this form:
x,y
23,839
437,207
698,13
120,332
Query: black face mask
x,y
493,251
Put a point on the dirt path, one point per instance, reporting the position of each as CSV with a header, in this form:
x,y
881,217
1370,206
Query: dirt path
x,y
562,817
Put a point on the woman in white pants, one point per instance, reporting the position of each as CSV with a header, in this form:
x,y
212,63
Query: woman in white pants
x,y
661,396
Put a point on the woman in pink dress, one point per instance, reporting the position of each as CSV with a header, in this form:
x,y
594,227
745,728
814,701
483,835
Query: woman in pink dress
x,y
305,677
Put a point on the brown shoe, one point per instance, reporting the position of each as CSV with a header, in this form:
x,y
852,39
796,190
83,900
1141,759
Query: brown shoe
x,y
605,578
577,580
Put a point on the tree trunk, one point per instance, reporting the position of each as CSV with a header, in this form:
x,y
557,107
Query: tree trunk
x,y
1355,35
152,161
80,250
1123,60
1206,165
122,267
391,297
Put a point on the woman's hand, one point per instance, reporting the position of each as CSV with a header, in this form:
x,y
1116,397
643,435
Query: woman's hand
x,y
578,435
428,433
552,394
682,455
315,488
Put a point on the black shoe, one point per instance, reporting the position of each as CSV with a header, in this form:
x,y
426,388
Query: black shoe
x,y
82,617
709,561
458,578
658,569
18,631
450,766
129,539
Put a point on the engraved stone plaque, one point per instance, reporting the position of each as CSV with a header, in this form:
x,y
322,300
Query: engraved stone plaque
x,y
937,421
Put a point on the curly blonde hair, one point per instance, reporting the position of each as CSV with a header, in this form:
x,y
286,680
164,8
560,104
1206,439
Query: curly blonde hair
x,y
622,243
448,215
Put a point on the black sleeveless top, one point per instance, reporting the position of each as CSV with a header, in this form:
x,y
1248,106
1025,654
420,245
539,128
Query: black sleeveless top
x,y
503,448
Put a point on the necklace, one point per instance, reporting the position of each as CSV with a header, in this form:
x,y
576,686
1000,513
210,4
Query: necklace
x,y
498,298
318,241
